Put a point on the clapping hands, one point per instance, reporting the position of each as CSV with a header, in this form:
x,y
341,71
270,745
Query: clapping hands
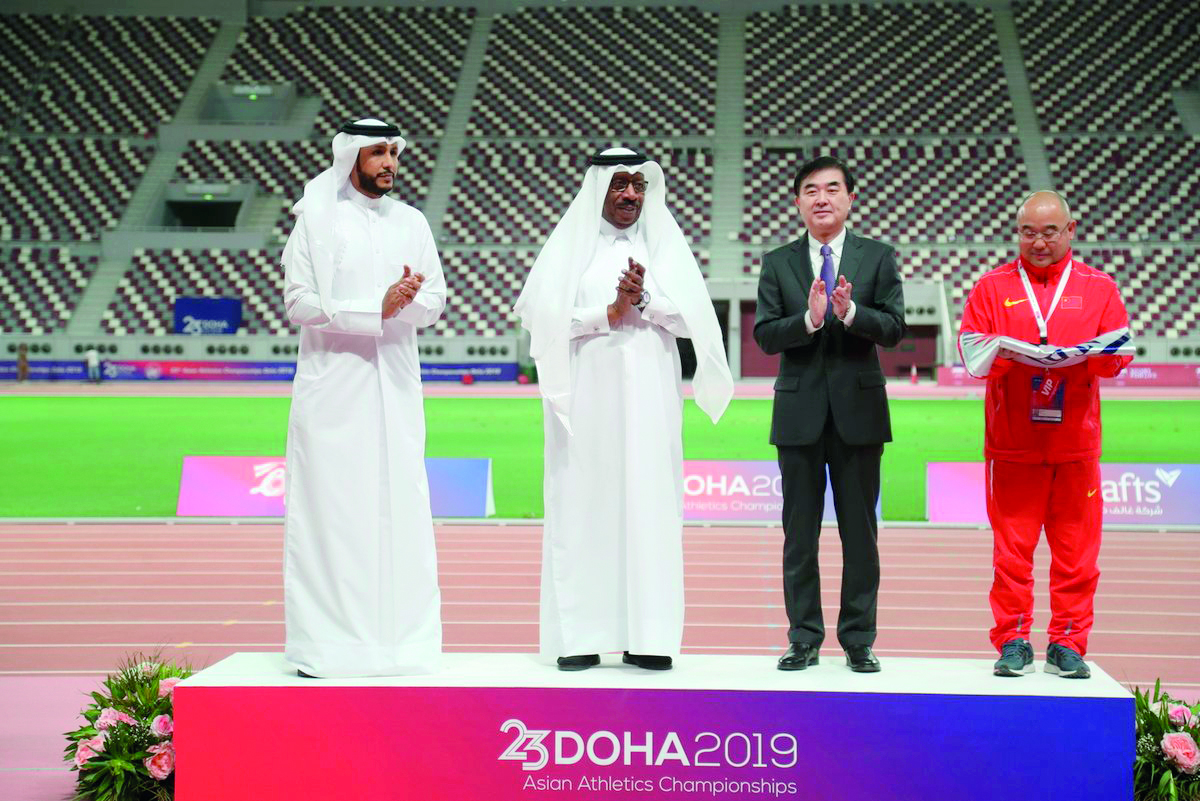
x,y
629,290
401,293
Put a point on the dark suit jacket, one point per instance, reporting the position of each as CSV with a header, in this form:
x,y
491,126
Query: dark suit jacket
x,y
835,368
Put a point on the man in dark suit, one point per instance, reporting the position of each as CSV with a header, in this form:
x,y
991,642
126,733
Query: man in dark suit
x,y
825,301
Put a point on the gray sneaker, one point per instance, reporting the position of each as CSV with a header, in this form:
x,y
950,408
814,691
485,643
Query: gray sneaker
x,y
1016,658
1065,662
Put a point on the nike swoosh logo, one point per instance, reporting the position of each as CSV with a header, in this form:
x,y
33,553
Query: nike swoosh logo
x,y
1091,493
1008,302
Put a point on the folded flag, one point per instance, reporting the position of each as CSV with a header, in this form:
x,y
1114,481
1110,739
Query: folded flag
x,y
979,351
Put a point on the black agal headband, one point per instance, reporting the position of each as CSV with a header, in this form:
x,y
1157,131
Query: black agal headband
x,y
366,129
603,159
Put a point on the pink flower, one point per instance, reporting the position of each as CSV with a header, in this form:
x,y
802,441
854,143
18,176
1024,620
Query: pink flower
x,y
88,749
1179,715
111,717
166,687
161,761
162,726
1180,748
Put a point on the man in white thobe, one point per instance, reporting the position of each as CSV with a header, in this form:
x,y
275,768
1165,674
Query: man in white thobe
x,y
612,288
362,275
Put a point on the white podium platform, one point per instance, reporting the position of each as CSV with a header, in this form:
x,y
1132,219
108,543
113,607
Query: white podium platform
x,y
506,726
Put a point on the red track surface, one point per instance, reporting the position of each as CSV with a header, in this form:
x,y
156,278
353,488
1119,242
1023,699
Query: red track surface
x,y
75,599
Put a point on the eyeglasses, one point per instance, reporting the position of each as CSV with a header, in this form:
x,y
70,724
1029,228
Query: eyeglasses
x,y
1049,237
621,184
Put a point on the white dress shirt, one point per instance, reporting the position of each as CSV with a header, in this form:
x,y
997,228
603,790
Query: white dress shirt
x,y
816,259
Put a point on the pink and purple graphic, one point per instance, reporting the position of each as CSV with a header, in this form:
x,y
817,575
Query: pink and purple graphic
x,y
1158,494
46,370
198,371
1156,375
253,486
742,491
513,743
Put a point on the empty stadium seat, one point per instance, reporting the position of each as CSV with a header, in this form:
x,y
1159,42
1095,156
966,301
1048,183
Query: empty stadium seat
x,y
67,189
515,192
881,69
1108,65
25,42
398,63
145,299
118,74
39,288
1131,188
940,191
282,168
608,72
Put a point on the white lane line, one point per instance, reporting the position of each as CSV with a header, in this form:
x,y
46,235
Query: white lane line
x,y
981,609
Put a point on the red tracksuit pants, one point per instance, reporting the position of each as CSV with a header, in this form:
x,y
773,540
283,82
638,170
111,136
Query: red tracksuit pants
x,y
1066,500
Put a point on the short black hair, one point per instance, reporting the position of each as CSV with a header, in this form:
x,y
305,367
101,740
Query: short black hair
x,y
821,163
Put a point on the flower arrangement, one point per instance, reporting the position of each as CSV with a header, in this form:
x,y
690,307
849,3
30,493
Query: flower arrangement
x,y
125,751
1167,761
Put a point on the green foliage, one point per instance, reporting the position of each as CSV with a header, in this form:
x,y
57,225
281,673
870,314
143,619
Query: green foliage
x,y
111,750
1156,777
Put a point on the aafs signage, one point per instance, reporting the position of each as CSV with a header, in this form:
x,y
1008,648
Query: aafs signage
x,y
1147,493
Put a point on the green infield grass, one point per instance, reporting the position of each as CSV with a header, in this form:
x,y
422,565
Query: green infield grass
x,y
96,457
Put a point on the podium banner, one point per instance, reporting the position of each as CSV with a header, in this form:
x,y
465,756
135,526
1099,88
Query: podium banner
x,y
928,737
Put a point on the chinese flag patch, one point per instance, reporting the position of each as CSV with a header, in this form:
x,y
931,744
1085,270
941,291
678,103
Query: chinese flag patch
x,y
1072,302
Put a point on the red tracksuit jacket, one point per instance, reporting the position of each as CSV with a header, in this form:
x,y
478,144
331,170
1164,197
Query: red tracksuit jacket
x,y
1090,305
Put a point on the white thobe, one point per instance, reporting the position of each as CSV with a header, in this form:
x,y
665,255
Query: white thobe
x,y
360,571
612,561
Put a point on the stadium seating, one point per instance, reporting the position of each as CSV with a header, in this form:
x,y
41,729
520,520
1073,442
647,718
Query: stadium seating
x,y
1134,188
1160,287
1108,65
607,72
25,42
145,299
398,63
941,191
282,168
118,74
515,193
67,189
481,287
39,288
882,69
913,95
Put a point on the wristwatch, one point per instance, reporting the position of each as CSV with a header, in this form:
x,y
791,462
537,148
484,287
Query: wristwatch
x,y
641,304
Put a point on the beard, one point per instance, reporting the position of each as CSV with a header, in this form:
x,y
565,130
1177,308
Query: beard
x,y
370,183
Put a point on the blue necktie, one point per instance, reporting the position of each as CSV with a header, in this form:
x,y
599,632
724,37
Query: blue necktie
x,y
828,277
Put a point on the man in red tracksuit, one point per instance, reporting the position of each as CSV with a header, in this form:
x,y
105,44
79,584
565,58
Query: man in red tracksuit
x,y
1042,442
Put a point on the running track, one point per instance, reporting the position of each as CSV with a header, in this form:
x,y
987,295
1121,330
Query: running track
x,y
75,599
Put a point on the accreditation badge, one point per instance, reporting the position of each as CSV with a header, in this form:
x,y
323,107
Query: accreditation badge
x,y
1046,403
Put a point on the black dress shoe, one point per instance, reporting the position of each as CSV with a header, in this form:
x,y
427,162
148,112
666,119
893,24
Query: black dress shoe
x,y
304,675
578,662
647,661
799,656
861,659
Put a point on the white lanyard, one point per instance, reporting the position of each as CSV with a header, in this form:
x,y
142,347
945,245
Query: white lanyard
x,y
1042,322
